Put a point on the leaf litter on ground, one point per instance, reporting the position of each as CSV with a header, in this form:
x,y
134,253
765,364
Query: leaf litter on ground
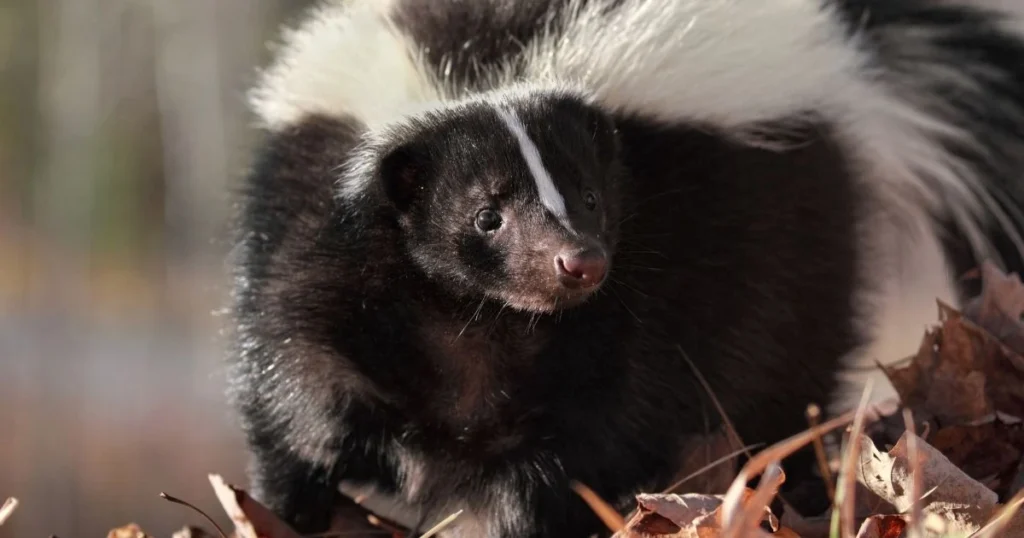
x,y
961,476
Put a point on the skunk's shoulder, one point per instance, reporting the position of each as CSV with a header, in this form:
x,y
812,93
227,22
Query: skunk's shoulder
x,y
928,96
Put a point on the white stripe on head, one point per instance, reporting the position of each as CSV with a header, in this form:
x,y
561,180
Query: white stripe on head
x,y
549,195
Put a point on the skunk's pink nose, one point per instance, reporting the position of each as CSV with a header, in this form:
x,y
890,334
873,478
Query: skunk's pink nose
x,y
582,269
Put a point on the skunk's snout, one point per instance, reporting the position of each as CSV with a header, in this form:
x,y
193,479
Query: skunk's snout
x,y
583,269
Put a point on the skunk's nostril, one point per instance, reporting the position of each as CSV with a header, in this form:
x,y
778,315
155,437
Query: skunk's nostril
x,y
582,269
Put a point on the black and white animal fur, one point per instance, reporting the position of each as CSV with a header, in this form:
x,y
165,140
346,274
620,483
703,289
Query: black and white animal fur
x,y
786,186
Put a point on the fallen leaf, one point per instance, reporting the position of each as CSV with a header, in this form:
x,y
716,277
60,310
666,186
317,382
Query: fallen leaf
x,y
943,379
883,526
888,475
954,503
693,515
251,519
985,451
961,374
999,307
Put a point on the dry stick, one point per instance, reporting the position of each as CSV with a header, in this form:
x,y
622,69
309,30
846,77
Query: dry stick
x,y
729,427
709,466
440,526
204,514
914,531
7,509
774,453
608,515
842,519
751,516
813,419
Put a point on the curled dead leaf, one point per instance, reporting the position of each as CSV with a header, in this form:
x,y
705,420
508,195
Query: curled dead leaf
x,y
883,526
999,307
251,519
961,374
954,503
887,474
695,515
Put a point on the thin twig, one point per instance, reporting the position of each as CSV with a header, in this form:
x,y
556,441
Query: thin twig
x,y
914,530
776,452
813,419
750,517
730,429
176,500
608,515
842,515
708,467
440,526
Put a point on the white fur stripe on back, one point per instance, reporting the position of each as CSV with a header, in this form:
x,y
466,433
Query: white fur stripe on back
x,y
549,195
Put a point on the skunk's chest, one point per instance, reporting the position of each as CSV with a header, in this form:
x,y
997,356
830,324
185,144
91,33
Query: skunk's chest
x,y
482,373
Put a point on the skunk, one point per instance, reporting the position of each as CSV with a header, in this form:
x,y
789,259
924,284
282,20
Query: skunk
x,y
485,246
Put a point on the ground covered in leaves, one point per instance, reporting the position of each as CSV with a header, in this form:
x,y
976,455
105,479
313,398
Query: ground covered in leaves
x,y
944,460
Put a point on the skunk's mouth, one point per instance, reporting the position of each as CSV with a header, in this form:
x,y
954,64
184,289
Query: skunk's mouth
x,y
556,279
551,300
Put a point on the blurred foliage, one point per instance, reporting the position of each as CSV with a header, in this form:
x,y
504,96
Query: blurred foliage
x,y
123,129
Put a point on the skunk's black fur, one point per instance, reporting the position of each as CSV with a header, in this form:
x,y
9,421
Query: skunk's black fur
x,y
382,339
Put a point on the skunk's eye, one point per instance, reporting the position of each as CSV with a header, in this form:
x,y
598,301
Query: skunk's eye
x,y
590,200
488,220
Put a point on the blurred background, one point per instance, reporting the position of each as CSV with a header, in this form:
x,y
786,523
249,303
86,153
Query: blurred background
x,y
123,128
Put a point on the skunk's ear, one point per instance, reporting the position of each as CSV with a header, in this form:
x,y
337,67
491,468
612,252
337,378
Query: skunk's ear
x,y
404,171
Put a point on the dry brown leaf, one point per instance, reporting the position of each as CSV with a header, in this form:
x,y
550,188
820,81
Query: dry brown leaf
x,y
954,502
251,519
130,530
961,374
967,382
999,308
990,452
688,516
888,475
943,379
883,526
8,508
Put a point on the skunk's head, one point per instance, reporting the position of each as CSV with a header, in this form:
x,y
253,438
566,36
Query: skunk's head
x,y
513,199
